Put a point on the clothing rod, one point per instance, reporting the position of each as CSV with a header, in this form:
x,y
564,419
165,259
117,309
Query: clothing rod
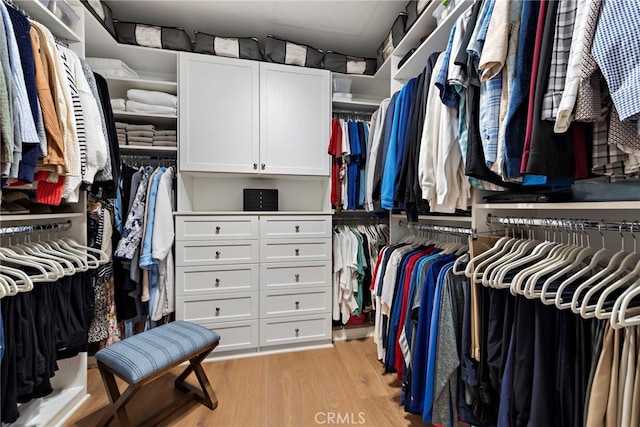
x,y
440,228
20,229
353,112
573,223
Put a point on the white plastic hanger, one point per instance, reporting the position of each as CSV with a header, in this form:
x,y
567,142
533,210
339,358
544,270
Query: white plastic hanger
x,y
470,269
48,269
4,286
24,282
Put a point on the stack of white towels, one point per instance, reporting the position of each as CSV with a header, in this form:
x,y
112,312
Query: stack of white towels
x,y
145,135
147,101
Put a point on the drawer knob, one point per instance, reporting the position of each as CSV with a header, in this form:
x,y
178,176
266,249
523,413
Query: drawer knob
x,y
297,252
255,166
217,254
297,277
297,305
262,166
297,228
217,282
217,311
218,230
297,331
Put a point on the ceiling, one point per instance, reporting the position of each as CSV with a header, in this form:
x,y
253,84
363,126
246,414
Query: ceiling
x,y
352,27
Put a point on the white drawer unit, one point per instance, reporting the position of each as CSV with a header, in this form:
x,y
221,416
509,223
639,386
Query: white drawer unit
x,y
203,309
211,253
215,228
196,280
302,227
287,303
281,250
295,275
235,335
290,330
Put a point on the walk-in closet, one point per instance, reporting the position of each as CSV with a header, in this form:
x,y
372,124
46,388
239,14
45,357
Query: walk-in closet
x,y
306,213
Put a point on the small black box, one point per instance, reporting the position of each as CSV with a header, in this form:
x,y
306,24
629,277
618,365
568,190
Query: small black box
x,y
256,199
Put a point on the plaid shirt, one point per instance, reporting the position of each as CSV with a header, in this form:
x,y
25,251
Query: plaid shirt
x,y
565,20
616,49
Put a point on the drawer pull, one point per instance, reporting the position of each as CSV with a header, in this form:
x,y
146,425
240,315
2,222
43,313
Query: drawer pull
x,y
297,331
297,277
297,252
217,282
297,228
262,166
297,305
255,166
217,254
217,311
218,230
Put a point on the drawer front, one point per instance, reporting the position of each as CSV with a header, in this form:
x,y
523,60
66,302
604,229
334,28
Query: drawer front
x,y
235,335
281,250
203,280
295,275
286,303
214,227
291,330
302,227
213,253
218,308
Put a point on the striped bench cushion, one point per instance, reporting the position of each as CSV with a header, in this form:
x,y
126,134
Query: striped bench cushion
x,y
146,353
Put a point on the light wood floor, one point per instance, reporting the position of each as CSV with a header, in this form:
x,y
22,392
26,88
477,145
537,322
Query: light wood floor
x,y
292,389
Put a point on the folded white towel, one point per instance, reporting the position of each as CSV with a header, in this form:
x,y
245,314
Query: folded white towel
x,y
118,104
165,143
145,143
165,138
166,132
153,97
140,107
149,128
143,133
111,67
120,125
138,139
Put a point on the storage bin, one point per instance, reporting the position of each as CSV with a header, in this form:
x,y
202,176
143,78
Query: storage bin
x,y
341,85
600,190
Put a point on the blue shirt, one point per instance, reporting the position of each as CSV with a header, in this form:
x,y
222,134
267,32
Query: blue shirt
x,y
353,163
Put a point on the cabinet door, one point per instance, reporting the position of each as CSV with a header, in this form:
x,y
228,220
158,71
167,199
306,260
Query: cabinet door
x,y
219,119
294,120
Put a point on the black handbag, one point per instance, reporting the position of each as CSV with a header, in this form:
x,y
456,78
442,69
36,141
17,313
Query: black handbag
x,y
231,47
349,64
171,38
285,52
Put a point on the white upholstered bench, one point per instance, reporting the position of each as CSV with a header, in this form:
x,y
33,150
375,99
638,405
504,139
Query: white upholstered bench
x,y
142,358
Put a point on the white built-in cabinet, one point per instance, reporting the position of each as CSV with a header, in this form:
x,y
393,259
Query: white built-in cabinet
x,y
244,116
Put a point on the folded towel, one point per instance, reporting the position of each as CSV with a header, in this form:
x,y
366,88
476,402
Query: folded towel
x,y
143,143
136,140
166,132
140,107
165,143
140,127
122,138
165,138
122,133
118,104
120,125
153,97
111,67
143,133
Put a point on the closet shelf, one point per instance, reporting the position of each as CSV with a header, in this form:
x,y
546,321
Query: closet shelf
x,y
118,86
49,216
371,104
38,11
198,213
168,121
606,206
148,149
424,25
447,218
438,38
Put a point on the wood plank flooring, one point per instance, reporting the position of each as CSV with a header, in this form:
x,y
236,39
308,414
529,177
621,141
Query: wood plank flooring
x,y
344,385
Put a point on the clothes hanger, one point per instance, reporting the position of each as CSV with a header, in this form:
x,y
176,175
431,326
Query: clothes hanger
x,y
24,282
622,315
470,269
26,248
51,248
517,251
4,286
548,295
49,270
500,249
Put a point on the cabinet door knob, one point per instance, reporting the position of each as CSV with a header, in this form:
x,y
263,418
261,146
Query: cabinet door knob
x,y
297,305
217,311
217,282
297,252
218,230
297,331
217,254
297,228
297,277
262,166
255,166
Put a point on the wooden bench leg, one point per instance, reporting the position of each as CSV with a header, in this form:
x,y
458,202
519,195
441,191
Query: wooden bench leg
x,y
118,400
205,394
